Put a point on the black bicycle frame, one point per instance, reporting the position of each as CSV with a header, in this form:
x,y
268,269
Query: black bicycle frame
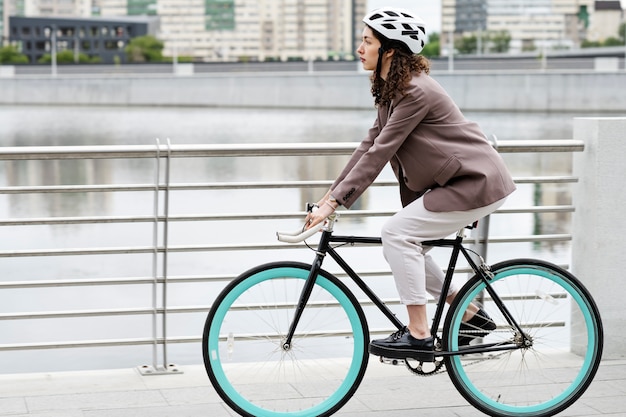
x,y
324,247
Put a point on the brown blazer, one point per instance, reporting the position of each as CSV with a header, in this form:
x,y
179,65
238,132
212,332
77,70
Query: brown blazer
x,y
433,150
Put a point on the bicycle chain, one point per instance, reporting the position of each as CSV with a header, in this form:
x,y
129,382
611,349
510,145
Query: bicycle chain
x,y
438,365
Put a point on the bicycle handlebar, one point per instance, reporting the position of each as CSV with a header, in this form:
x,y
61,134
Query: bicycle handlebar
x,y
301,235
298,236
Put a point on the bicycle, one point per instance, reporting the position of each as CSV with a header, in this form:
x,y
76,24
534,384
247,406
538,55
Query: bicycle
x,y
287,324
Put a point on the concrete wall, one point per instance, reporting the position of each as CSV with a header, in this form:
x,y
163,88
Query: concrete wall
x,y
599,223
505,91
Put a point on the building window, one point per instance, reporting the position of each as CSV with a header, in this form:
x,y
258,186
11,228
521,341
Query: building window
x,y
141,7
219,14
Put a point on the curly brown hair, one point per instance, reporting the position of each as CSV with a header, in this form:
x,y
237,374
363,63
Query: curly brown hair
x,y
403,65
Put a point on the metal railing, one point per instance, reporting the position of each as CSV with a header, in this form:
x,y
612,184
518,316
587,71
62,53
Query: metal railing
x,y
548,60
161,218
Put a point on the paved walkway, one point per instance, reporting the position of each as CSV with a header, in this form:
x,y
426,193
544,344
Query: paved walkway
x,y
386,391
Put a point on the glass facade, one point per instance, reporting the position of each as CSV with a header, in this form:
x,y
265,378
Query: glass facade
x,y
141,7
219,15
96,37
471,15
18,8
520,7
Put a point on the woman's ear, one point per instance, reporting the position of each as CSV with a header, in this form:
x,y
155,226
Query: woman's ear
x,y
389,53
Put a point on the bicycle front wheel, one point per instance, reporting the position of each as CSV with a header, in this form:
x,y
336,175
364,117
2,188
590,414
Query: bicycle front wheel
x,y
554,353
244,335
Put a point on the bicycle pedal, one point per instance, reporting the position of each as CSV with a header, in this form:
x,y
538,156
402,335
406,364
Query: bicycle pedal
x,y
390,361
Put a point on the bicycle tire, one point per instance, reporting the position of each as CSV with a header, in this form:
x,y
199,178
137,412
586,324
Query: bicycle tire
x,y
562,319
245,329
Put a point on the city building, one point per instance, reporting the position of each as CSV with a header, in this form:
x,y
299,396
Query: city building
x,y
1,22
104,38
251,30
607,18
531,24
225,30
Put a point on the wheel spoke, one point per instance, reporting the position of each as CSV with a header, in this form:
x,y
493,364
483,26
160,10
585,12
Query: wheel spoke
x,y
546,375
245,332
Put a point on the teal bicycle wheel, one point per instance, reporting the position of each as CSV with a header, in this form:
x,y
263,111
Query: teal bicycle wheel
x,y
244,335
541,374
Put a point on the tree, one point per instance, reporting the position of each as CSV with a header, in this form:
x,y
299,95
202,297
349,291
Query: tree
x,y
65,57
590,44
499,41
10,55
467,44
612,42
144,49
432,49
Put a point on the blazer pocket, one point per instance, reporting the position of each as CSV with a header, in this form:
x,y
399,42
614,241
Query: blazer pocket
x,y
447,171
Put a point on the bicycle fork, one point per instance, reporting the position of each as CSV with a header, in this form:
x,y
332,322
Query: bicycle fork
x,y
308,289
484,272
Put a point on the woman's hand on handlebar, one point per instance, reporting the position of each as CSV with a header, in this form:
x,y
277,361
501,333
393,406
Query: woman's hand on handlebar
x,y
318,214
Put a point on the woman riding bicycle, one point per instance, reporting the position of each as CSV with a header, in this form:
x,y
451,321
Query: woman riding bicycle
x,y
449,175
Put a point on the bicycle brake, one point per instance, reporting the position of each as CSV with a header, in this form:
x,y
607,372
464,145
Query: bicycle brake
x,y
486,269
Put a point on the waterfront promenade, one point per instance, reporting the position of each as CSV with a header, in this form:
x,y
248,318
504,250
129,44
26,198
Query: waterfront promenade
x,y
386,391
586,92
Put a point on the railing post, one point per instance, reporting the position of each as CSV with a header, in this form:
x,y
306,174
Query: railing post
x,y
481,236
166,213
598,225
147,370
481,232
479,246
164,367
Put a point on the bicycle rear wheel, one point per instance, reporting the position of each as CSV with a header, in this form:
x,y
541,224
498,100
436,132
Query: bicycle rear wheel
x,y
562,351
246,329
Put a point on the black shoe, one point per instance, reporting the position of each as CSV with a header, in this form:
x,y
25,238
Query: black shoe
x,y
478,326
401,345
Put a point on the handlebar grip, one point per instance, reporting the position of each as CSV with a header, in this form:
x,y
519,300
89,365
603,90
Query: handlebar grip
x,y
298,236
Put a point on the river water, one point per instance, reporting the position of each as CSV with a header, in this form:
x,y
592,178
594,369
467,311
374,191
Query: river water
x,y
60,126
39,126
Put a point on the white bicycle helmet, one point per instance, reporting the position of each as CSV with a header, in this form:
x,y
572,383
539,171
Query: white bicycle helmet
x,y
400,25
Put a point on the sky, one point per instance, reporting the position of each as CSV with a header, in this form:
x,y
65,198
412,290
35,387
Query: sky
x,y
428,10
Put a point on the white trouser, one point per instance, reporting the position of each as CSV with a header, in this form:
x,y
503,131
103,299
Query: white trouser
x,y
414,270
